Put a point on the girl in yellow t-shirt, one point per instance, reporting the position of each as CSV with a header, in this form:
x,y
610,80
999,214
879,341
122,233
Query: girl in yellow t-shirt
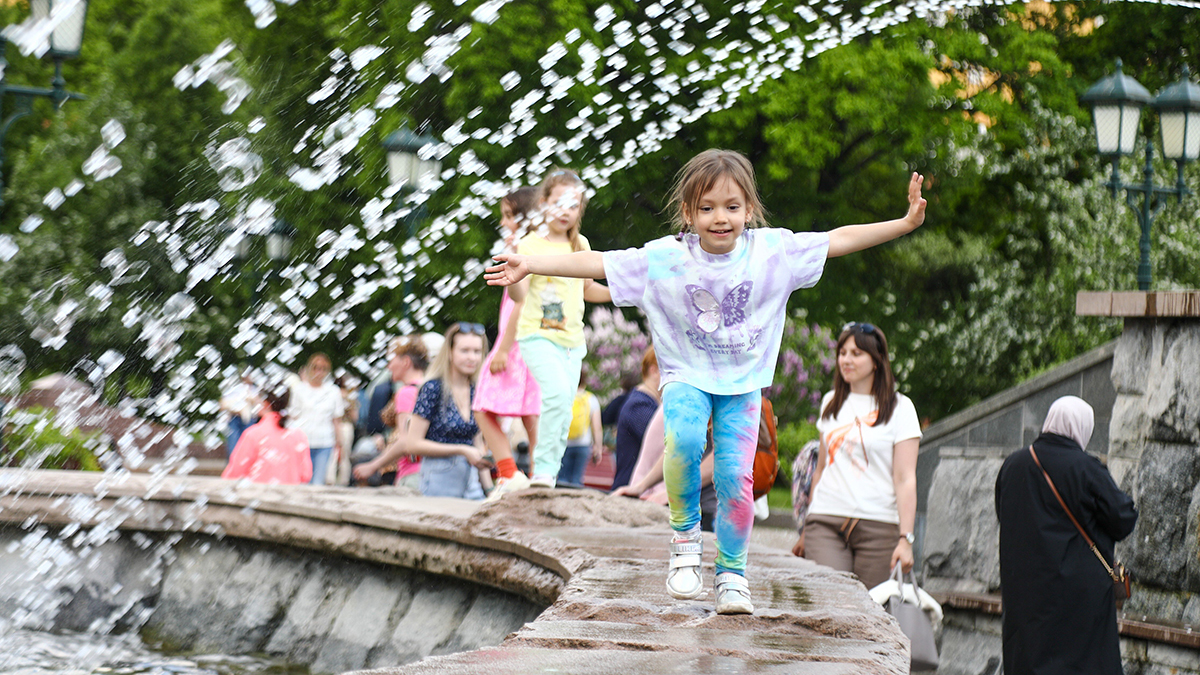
x,y
550,328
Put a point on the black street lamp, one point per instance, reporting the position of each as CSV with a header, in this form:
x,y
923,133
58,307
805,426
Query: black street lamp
x,y
410,161
1116,103
66,41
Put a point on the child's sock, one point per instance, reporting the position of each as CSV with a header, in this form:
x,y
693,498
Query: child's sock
x,y
506,467
688,535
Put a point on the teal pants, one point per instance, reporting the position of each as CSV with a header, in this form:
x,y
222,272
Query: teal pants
x,y
556,369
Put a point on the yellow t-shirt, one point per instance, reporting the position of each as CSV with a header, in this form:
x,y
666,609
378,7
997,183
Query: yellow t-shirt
x,y
554,306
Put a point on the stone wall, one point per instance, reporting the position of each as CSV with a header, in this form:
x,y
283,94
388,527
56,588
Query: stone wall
x,y
197,593
1155,457
961,455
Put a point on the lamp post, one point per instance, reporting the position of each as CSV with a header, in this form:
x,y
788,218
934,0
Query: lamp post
x,y
1116,103
277,244
66,41
408,167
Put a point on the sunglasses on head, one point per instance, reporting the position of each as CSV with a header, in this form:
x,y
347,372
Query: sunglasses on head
x,y
860,327
472,328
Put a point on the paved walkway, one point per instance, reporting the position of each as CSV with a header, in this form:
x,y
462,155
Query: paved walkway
x,y
598,563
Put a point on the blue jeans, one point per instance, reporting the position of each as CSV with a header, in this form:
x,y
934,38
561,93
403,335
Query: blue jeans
x,y
236,427
320,462
450,477
574,463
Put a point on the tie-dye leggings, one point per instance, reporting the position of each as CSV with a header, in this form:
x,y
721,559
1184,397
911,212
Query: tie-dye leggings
x,y
686,411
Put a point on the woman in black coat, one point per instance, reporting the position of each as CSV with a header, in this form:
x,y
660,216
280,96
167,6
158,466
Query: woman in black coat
x,y
1059,611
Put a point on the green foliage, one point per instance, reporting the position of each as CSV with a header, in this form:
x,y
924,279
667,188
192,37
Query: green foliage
x,y
615,346
981,100
804,371
36,438
792,438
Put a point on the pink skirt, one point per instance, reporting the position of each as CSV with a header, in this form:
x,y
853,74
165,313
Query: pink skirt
x,y
510,393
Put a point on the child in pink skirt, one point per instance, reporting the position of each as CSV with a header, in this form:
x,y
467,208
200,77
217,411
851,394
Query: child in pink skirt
x,y
506,388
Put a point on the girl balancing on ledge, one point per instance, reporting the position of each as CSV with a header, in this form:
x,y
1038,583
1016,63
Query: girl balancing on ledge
x,y
715,295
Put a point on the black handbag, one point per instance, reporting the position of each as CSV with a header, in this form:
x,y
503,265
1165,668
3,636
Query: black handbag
x,y
1121,576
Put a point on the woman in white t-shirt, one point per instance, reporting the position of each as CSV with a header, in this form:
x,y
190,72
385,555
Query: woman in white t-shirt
x,y
316,407
864,491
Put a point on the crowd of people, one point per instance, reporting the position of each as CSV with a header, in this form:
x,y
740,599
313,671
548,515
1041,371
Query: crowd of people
x,y
442,417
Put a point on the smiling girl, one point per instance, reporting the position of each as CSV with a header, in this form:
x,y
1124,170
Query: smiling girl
x,y
715,296
864,490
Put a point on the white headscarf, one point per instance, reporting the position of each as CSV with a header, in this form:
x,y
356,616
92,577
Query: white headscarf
x,y
1072,417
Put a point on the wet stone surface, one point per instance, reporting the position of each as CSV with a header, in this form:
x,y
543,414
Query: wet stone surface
x,y
596,564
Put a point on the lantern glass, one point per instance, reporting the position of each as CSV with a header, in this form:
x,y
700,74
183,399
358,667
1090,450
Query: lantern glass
x,y
1116,128
279,246
401,167
1180,134
67,37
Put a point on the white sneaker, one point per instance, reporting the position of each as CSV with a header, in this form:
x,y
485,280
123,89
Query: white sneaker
x,y
543,481
518,481
733,594
683,572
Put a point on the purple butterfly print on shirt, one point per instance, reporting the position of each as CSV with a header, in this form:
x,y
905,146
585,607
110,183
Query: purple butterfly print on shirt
x,y
731,311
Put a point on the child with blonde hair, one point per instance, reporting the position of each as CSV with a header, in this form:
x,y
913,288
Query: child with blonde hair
x,y
549,328
506,387
715,296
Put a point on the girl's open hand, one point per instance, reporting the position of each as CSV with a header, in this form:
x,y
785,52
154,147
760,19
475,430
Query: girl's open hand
x,y
916,205
508,270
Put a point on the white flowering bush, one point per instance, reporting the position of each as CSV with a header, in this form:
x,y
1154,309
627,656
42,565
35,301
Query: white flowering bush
x,y
615,345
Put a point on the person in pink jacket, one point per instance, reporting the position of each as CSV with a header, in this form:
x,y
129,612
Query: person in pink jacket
x,y
268,452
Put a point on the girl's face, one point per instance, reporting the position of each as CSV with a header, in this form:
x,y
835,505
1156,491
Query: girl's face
x,y
317,371
562,209
508,222
855,365
467,353
720,216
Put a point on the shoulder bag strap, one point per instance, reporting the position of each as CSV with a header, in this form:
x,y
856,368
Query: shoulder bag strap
x,y
1091,544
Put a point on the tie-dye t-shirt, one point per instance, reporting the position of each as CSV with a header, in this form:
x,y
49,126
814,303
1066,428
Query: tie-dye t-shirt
x,y
717,320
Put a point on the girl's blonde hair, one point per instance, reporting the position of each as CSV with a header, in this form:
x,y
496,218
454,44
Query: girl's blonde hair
x,y
557,177
440,368
701,174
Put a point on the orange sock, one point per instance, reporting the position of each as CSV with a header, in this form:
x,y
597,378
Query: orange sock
x,y
506,467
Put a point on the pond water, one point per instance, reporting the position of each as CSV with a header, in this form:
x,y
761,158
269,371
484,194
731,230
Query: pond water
x,y
29,652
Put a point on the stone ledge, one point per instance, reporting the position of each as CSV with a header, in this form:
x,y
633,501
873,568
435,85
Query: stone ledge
x,y
1150,304
1179,635
598,562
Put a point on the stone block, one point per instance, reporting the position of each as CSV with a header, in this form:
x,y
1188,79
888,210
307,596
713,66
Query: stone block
x,y
310,616
1173,396
187,608
1129,427
361,625
1003,429
962,535
1166,476
965,652
489,620
432,618
1153,604
1132,357
1187,660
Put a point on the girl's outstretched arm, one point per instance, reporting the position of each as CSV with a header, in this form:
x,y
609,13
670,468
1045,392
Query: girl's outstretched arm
x,y
513,267
853,238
